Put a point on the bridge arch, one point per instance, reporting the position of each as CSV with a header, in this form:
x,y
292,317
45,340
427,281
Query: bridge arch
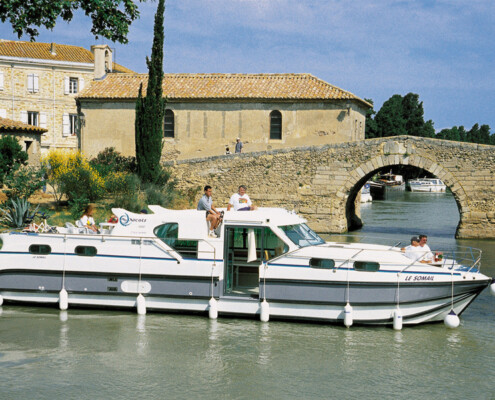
x,y
350,189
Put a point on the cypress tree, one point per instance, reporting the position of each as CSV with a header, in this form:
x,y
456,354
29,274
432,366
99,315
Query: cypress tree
x,y
150,109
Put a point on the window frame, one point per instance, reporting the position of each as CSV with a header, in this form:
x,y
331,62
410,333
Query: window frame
x,y
85,253
275,125
73,85
73,124
169,119
186,248
33,115
39,251
321,260
366,265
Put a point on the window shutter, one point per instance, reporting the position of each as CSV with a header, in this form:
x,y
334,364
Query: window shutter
x,y
43,119
67,84
35,82
24,117
81,84
1,80
65,125
30,82
3,113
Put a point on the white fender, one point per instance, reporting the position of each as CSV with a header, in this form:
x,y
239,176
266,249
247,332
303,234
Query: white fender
x,y
141,304
492,290
264,311
452,320
347,315
213,308
397,319
63,300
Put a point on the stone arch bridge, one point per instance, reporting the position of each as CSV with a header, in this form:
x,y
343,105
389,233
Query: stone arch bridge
x,y
322,182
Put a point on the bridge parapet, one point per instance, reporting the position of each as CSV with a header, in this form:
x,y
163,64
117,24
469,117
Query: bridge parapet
x,y
322,182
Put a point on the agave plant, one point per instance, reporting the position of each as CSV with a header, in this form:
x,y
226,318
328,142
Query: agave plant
x,y
17,213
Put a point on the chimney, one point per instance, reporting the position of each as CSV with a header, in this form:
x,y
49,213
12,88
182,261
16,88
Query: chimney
x,y
53,50
103,60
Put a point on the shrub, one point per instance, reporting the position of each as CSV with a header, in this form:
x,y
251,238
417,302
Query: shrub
x,y
24,182
11,156
73,176
110,161
17,213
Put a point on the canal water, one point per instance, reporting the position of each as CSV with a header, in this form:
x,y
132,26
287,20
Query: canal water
x,y
80,354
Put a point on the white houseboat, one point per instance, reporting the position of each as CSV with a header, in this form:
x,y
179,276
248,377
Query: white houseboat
x,y
266,263
427,185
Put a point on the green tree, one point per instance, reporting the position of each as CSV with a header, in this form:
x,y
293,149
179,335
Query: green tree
x,y
11,156
389,118
111,18
370,124
150,109
403,116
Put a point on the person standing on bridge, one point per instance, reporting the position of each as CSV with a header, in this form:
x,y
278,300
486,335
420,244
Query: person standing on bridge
x,y
238,145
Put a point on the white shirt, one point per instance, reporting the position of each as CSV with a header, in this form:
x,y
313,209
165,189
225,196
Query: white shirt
x,y
428,255
86,221
414,252
239,201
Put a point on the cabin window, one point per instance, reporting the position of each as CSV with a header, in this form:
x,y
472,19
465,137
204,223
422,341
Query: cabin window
x,y
169,124
322,263
368,266
169,233
275,125
87,251
1,243
302,235
40,249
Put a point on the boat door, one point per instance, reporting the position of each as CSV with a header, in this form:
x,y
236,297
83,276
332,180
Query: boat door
x,y
246,248
242,260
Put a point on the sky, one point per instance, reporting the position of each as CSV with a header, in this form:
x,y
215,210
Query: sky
x,y
444,50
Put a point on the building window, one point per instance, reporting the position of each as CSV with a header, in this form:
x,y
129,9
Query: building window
x,y
73,84
169,125
72,124
275,125
33,83
33,118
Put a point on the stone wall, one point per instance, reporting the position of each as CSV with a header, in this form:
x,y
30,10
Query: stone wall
x,y
322,182
50,98
204,129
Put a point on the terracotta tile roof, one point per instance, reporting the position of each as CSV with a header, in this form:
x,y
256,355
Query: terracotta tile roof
x,y
121,69
10,126
43,51
221,87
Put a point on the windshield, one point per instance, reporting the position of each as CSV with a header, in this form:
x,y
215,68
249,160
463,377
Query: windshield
x,y
302,235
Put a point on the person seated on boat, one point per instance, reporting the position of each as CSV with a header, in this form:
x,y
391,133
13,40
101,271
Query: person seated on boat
x,y
87,220
212,215
240,201
413,250
427,254
113,219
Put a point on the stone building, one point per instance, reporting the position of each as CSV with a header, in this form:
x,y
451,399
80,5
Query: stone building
x,y
205,113
28,136
39,82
